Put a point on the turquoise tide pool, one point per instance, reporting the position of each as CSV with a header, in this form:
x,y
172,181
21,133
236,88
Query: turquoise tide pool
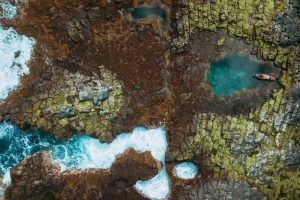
x,y
234,73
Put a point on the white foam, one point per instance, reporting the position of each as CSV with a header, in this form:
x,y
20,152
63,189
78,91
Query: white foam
x,y
2,192
94,154
6,178
185,170
155,188
15,52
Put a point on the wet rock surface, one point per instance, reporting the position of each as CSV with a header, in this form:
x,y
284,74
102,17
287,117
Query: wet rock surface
x,y
295,118
64,103
38,178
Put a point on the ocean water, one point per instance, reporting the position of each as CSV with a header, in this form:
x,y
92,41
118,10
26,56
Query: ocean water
x,y
185,170
234,73
15,145
7,10
80,152
84,152
15,52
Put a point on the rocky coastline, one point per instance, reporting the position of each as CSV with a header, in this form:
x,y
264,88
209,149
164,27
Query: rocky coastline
x,y
96,71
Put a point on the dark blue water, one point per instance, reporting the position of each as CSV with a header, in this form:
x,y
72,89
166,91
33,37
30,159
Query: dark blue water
x,y
16,145
234,73
143,12
83,152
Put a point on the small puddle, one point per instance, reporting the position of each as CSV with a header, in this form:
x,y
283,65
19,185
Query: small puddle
x,y
235,73
143,12
185,170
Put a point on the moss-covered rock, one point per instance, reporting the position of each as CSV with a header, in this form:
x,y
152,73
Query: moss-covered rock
x,y
240,147
65,110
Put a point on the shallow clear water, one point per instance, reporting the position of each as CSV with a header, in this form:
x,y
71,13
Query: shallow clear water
x,y
234,73
143,12
185,170
83,152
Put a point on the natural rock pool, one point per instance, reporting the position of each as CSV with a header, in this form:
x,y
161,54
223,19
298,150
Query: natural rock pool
x,y
143,12
84,152
185,170
234,73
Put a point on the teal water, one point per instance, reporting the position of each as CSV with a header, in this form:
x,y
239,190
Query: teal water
x,y
7,10
234,73
143,12
16,145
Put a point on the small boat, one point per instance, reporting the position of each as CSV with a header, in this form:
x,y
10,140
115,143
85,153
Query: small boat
x,y
265,77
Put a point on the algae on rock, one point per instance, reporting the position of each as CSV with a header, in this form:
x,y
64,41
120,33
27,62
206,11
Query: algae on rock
x,y
78,103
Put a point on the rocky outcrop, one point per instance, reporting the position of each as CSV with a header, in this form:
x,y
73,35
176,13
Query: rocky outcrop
x,y
205,187
295,114
66,92
292,156
38,178
70,103
286,29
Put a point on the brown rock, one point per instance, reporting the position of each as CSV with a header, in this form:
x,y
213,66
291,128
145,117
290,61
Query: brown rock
x,y
138,162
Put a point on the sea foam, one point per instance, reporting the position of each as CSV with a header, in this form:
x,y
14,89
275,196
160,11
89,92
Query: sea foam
x,y
185,170
84,152
15,52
